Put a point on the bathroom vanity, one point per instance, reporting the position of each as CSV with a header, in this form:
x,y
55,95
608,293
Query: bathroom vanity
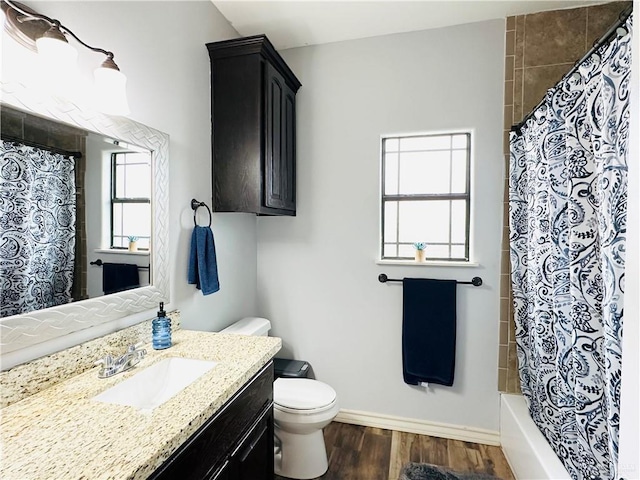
x,y
235,443
218,427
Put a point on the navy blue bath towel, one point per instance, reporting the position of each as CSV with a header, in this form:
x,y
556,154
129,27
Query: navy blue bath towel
x,y
117,277
203,266
428,331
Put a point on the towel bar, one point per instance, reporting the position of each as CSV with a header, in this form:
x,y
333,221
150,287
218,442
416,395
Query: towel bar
x,y
99,263
195,204
475,281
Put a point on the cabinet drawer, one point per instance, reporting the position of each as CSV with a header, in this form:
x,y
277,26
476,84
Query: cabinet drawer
x,y
211,444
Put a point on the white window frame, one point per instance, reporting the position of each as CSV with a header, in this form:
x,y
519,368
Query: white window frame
x,y
467,260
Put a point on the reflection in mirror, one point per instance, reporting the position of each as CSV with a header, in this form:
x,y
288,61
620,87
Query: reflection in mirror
x,y
27,335
75,214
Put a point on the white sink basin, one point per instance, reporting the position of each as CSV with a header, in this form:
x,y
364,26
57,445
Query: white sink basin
x,y
156,384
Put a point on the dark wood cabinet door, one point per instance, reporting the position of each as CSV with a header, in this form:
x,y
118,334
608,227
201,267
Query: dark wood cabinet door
x,y
279,172
274,86
253,459
288,157
223,473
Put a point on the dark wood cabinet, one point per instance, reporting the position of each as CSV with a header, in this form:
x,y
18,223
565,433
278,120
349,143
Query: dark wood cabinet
x,y
234,444
254,456
253,128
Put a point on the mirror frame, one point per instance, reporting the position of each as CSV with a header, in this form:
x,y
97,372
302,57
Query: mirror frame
x,y
20,331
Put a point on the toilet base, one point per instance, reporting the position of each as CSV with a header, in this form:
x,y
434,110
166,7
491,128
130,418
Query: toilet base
x,y
302,456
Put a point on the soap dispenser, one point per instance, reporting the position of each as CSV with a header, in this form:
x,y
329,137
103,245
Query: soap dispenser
x,y
161,330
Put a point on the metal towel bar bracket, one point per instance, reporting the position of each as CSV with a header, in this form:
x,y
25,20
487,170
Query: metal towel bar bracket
x,y
475,281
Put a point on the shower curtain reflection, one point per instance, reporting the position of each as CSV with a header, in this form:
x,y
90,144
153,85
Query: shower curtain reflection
x,y
37,228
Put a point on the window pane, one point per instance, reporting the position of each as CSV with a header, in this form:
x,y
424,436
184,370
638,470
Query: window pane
x,y
424,172
136,219
390,221
440,142
406,251
132,175
120,242
391,144
457,251
459,171
459,141
143,243
138,181
458,221
391,174
437,251
390,250
424,221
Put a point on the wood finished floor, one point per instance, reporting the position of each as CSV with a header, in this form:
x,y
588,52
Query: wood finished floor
x,y
366,453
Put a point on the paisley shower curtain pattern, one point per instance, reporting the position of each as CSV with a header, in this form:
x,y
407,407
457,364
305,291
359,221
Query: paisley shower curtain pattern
x,y
567,208
37,228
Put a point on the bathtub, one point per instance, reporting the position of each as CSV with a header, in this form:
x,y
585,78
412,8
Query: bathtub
x,y
527,451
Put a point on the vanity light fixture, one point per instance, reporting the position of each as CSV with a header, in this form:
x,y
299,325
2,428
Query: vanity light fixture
x,y
47,37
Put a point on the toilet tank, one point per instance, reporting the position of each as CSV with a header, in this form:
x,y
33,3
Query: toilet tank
x,y
249,326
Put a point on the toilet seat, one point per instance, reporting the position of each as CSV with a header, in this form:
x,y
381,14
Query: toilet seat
x,y
302,396
306,411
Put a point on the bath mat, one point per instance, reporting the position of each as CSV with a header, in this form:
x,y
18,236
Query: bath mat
x,y
424,471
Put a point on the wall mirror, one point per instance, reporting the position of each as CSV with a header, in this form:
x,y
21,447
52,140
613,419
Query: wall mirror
x,y
110,147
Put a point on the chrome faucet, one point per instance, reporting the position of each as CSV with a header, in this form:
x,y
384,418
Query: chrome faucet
x,y
112,366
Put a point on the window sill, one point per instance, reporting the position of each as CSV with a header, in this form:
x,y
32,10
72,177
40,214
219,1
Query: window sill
x,y
121,252
413,263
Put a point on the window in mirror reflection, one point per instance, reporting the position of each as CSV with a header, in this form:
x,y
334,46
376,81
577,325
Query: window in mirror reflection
x,y
130,199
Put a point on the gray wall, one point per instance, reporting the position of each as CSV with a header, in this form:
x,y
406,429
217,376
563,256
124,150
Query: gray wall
x,y
317,272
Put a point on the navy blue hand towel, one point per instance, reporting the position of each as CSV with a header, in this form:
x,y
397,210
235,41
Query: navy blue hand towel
x,y
428,331
117,277
203,266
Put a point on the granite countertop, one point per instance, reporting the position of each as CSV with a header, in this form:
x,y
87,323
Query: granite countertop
x,y
61,433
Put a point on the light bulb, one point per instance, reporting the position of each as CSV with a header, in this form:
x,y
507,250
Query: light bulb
x,y
110,89
54,50
57,63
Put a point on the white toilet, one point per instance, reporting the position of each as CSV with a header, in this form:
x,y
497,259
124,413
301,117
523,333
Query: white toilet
x,y
302,408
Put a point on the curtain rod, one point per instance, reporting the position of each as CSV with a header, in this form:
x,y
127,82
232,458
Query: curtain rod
x,y
606,38
30,143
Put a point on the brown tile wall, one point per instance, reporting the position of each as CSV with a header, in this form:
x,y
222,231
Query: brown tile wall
x,y
540,49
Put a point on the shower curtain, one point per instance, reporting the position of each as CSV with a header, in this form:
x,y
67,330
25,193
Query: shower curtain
x,y
567,209
37,228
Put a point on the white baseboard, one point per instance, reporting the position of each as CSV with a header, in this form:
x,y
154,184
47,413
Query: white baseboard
x,y
421,427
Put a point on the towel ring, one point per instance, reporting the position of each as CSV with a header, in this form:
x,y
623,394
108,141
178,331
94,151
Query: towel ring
x,y
195,204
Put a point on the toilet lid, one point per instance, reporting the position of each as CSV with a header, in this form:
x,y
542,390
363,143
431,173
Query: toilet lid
x,y
302,393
